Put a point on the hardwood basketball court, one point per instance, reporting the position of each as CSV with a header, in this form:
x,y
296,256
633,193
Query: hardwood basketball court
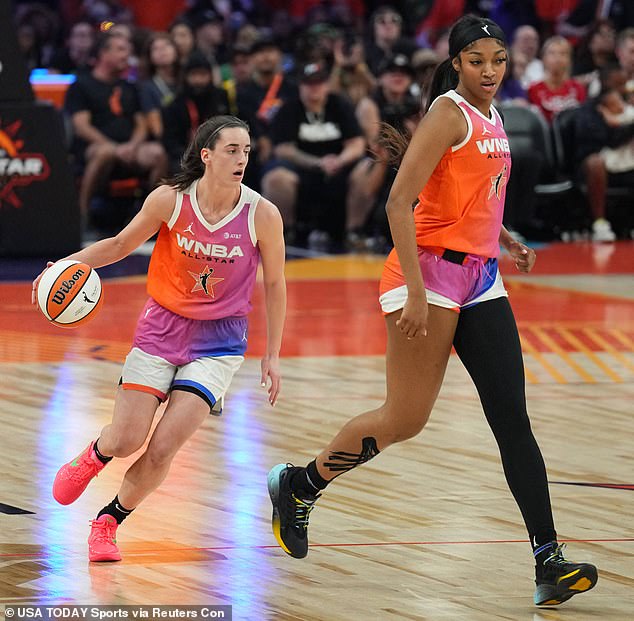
x,y
426,531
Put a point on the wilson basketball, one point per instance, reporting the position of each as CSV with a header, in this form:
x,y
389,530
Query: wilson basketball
x,y
69,293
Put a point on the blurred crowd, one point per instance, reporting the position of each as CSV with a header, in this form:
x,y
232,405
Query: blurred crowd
x,y
314,79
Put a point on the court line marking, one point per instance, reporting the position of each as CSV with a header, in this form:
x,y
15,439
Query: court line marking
x,y
533,351
580,347
333,545
594,334
553,346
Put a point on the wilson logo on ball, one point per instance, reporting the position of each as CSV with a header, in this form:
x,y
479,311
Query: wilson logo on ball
x,y
66,286
69,293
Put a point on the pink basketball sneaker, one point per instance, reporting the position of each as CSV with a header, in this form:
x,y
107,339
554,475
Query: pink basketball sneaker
x,y
73,477
102,541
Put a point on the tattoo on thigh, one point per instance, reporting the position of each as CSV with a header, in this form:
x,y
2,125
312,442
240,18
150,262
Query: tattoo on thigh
x,y
342,461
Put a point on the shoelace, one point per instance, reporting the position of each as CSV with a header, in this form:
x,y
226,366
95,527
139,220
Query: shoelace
x,y
303,507
86,467
105,531
557,556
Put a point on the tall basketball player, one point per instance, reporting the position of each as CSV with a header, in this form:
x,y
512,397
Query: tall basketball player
x,y
441,287
192,334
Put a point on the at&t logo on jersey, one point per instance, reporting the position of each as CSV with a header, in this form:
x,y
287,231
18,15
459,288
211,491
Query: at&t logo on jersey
x,y
210,252
17,168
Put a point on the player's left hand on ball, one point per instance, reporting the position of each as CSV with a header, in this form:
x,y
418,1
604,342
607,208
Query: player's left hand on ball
x,y
36,282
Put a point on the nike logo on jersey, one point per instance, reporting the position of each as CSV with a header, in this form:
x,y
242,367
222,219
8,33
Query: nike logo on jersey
x,y
189,229
485,131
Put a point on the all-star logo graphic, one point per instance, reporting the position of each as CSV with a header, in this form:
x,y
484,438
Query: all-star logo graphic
x,y
498,182
205,282
17,167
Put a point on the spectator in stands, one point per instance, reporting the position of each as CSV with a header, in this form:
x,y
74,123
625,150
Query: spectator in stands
x,y
395,103
109,127
350,76
440,18
386,37
282,27
183,36
512,91
130,32
619,12
596,50
519,211
424,63
210,38
526,40
617,113
625,55
511,15
198,101
596,126
28,46
260,99
246,36
74,57
442,45
241,68
552,13
159,89
557,91
317,44
103,11
43,24
317,141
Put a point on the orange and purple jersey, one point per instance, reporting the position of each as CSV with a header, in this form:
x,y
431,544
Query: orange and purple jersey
x,y
462,204
206,271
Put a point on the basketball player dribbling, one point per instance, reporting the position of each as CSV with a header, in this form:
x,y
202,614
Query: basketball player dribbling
x,y
441,287
191,336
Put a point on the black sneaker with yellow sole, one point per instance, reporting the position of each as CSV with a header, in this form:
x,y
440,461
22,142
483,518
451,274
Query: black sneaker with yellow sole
x,y
290,513
558,579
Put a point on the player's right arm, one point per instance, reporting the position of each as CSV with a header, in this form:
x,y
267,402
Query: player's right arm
x,y
157,208
443,126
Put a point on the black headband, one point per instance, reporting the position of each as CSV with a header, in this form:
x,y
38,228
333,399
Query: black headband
x,y
481,30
